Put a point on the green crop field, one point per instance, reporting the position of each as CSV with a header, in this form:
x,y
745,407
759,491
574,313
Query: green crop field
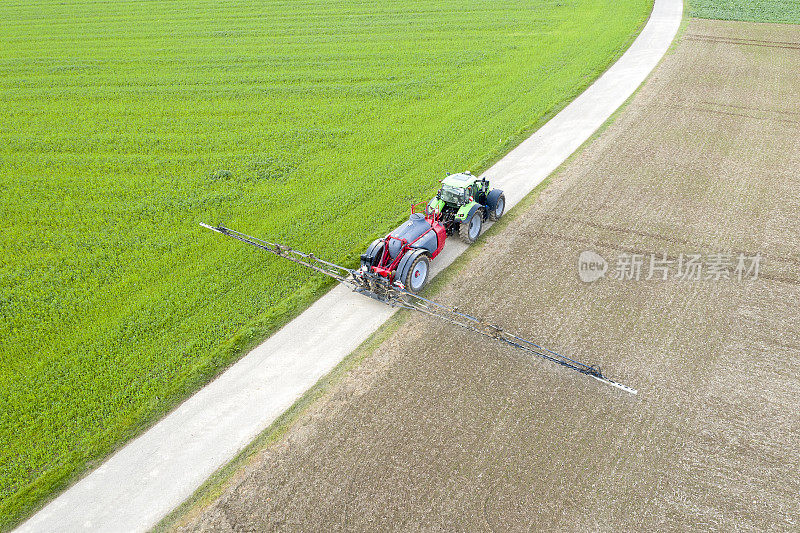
x,y
787,11
123,124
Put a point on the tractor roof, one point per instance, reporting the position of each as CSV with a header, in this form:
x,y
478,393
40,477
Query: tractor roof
x,y
463,179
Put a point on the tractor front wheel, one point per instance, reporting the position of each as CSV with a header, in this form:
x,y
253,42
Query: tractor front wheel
x,y
417,276
470,229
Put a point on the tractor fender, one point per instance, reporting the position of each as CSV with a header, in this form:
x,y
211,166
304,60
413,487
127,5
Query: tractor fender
x,y
436,205
492,197
373,254
466,211
406,261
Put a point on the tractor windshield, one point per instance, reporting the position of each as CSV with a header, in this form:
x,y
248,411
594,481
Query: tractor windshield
x,y
453,195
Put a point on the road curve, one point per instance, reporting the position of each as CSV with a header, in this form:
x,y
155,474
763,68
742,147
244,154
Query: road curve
x,y
155,472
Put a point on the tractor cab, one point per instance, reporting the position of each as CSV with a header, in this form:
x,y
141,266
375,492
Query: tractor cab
x,y
464,202
459,189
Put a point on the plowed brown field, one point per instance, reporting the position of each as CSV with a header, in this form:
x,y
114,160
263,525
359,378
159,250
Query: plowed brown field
x,y
442,430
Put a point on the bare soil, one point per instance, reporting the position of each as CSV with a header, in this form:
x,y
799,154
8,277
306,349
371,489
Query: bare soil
x,y
443,430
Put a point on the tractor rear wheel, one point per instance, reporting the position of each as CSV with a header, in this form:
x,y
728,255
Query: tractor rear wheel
x,y
499,208
469,230
417,276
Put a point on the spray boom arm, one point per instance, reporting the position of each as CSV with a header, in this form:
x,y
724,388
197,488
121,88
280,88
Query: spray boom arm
x,y
395,295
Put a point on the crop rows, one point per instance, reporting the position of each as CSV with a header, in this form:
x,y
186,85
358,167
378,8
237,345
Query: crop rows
x,y
786,11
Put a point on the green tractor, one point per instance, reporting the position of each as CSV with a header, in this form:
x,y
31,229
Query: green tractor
x,y
465,202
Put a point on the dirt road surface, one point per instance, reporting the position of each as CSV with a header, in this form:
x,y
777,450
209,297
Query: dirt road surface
x,y
443,430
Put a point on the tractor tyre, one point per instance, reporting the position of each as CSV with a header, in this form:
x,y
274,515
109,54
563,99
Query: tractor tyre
x,y
499,208
469,230
418,273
